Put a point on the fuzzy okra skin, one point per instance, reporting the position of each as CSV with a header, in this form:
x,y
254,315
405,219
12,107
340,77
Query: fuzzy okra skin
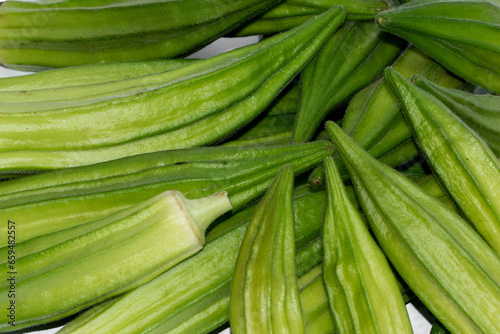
x,y
480,112
448,266
264,291
179,301
95,83
128,251
464,36
274,126
291,13
373,118
197,106
44,34
50,202
87,75
459,158
362,291
353,57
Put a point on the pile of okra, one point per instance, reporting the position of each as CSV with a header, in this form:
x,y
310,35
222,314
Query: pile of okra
x,y
317,181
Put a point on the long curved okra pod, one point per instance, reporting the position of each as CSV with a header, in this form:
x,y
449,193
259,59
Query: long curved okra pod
x,y
50,202
480,112
459,158
362,291
264,290
353,57
57,89
87,75
132,248
464,36
448,266
196,104
44,34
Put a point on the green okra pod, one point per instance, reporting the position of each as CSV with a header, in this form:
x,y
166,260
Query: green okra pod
x,y
44,34
264,290
196,104
459,158
87,75
362,291
131,249
480,112
57,89
54,201
373,117
290,13
464,36
448,266
353,57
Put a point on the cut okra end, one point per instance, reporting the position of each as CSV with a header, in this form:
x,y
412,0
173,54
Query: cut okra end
x,y
126,250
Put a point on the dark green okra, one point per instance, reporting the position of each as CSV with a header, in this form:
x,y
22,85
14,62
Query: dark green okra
x,y
133,247
448,266
179,302
264,290
437,328
50,202
362,291
464,36
353,57
197,104
291,13
44,34
459,158
480,112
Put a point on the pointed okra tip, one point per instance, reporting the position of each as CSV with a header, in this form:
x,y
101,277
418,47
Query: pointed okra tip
x,y
398,83
423,83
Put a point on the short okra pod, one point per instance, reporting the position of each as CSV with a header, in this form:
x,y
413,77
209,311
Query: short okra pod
x,y
264,291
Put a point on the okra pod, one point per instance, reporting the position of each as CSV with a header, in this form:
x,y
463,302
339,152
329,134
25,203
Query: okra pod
x,y
131,249
464,36
480,112
99,83
291,13
264,289
44,34
459,158
448,266
87,75
362,291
